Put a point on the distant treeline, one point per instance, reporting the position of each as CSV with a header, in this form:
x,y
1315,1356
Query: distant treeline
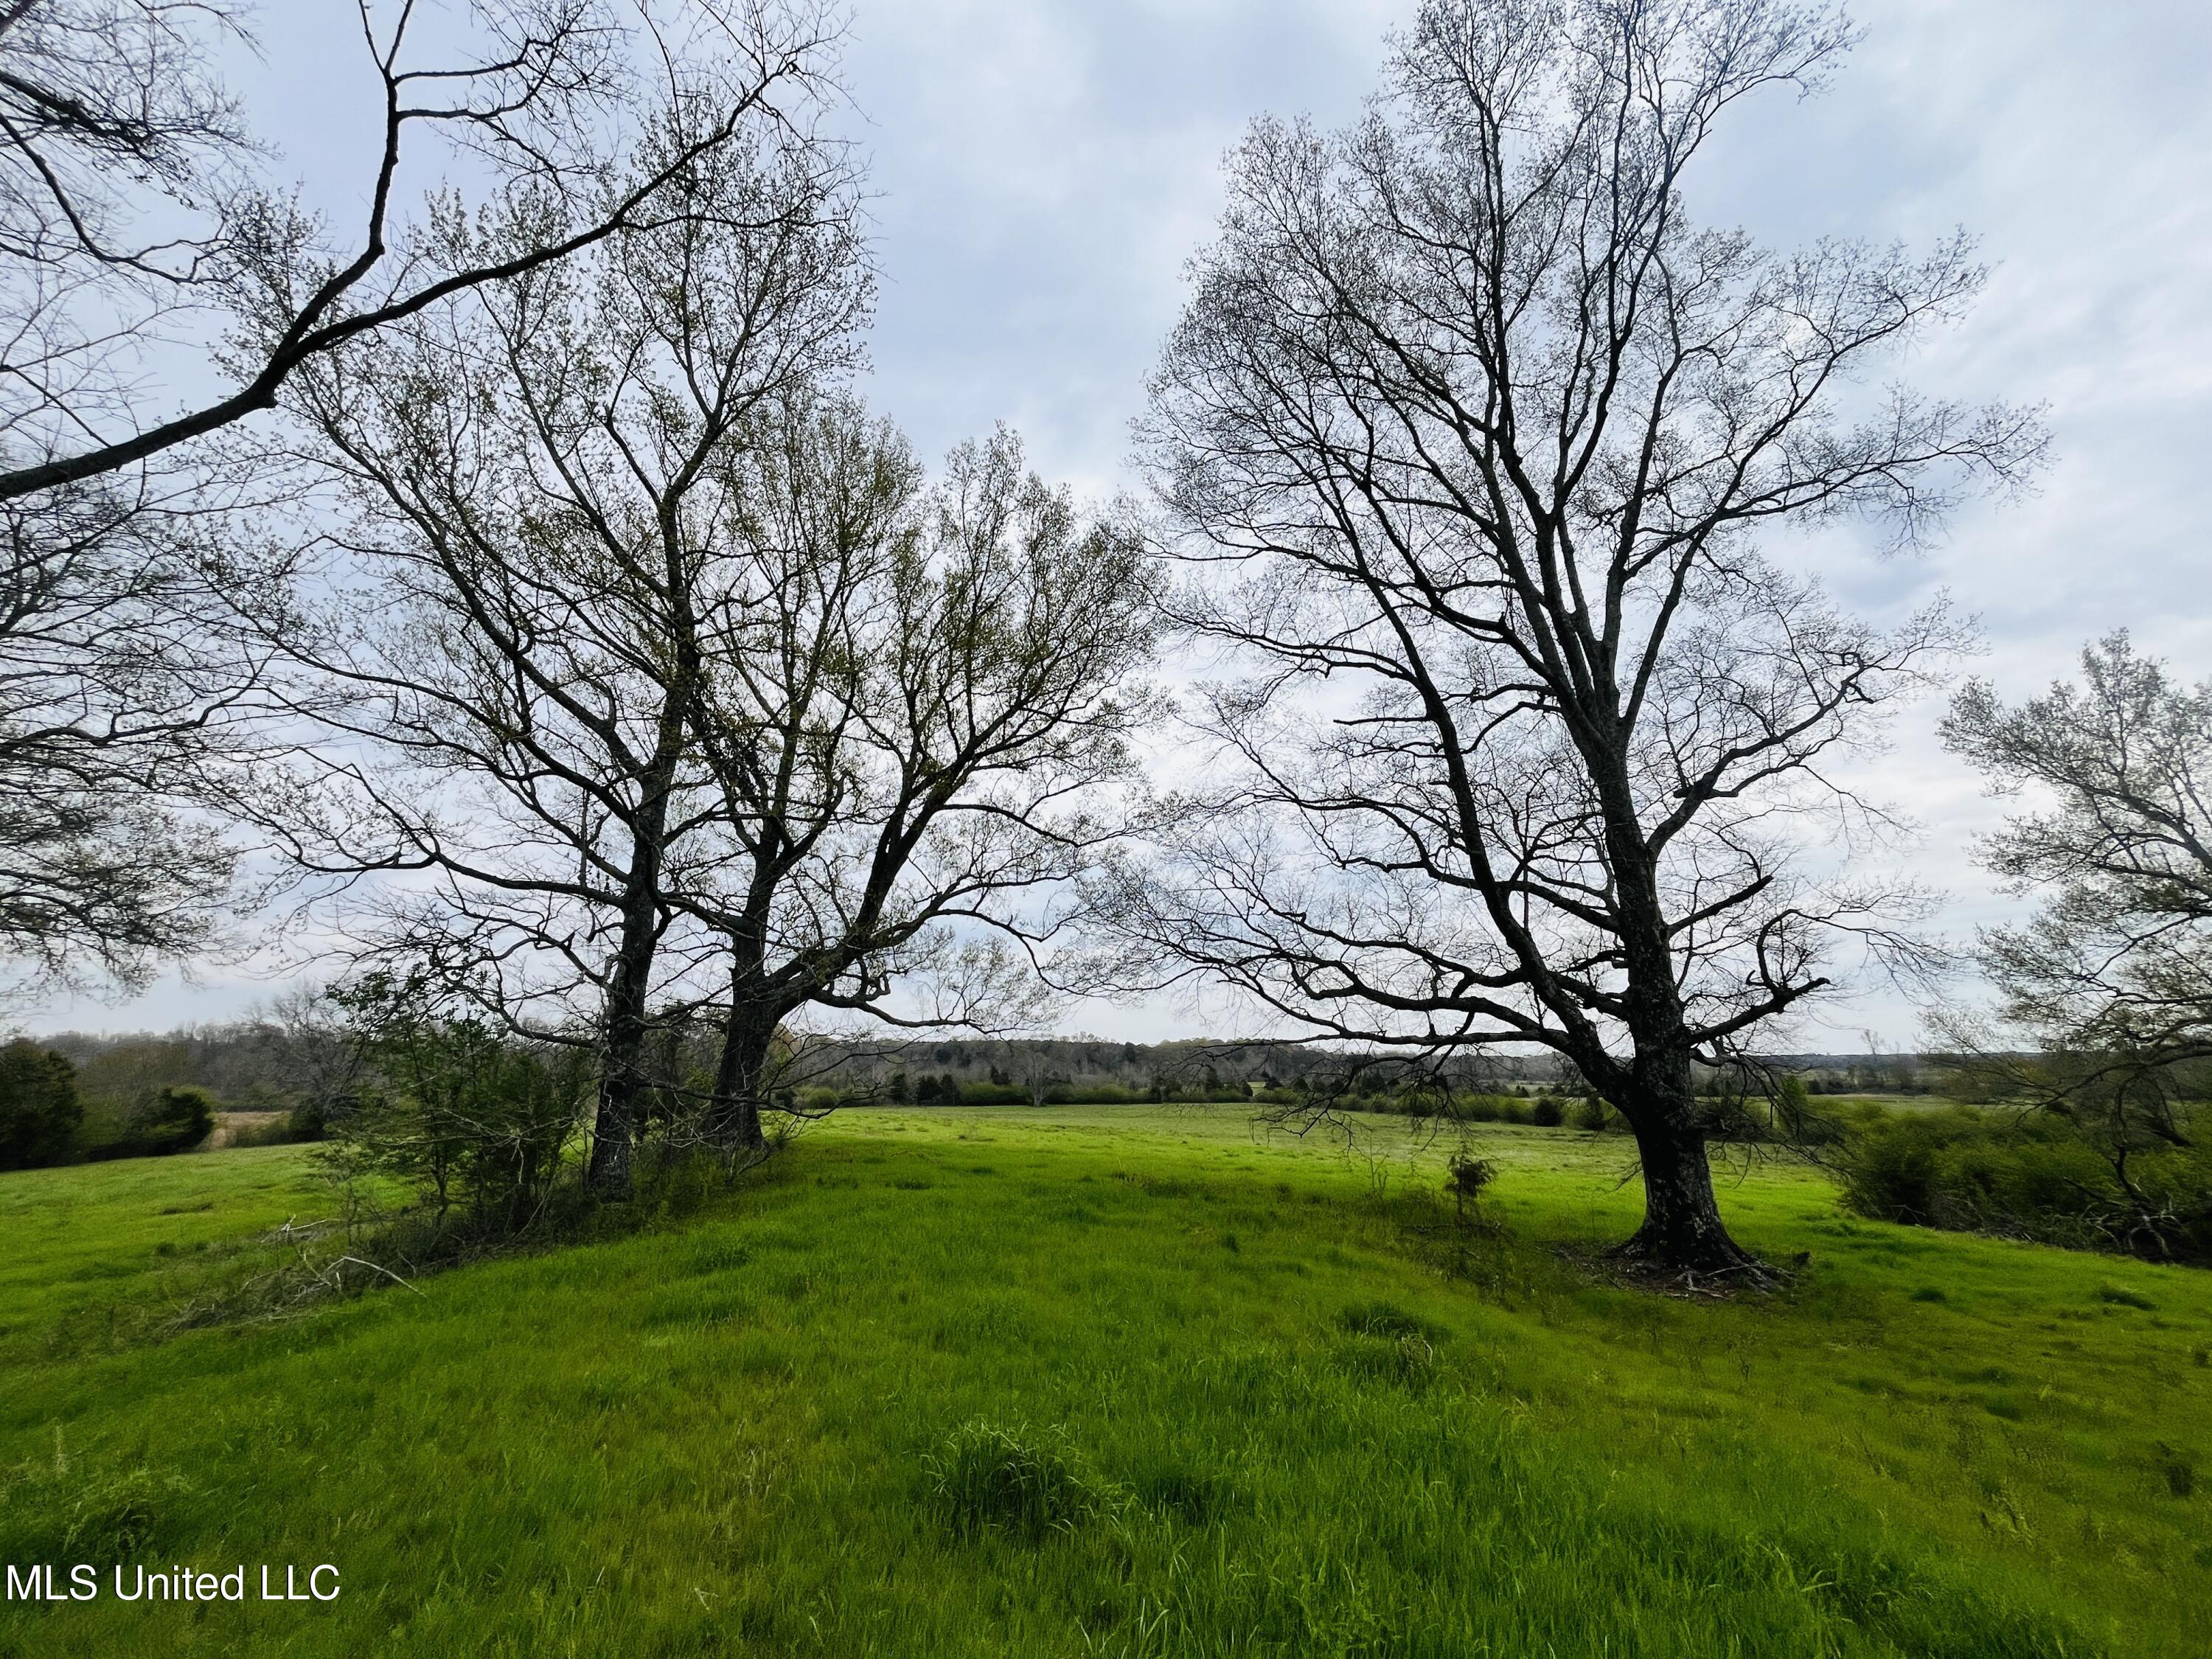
x,y
1085,1070
260,1065
75,1095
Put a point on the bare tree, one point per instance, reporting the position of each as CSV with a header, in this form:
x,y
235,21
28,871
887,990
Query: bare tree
x,y
507,673
2110,983
1475,434
916,700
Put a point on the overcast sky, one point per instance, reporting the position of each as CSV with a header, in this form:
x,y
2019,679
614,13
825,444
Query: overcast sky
x,y
1045,166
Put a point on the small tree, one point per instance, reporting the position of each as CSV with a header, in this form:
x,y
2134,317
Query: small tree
x,y
1467,1177
1039,1076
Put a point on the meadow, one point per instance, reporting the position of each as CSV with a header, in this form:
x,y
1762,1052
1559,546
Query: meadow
x,y
1108,1380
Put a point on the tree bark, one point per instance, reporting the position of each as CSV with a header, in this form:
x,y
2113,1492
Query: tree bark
x,y
1682,1231
622,1077
734,1117
614,1129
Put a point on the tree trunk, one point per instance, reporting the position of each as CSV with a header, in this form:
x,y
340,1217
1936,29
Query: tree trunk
x,y
1682,1234
614,1130
733,1116
622,1074
1682,1231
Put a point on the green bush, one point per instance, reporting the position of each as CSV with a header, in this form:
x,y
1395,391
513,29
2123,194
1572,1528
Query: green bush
x,y
1593,1115
160,1123
472,1120
173,1119
2028,1177
1548,1113
39,1111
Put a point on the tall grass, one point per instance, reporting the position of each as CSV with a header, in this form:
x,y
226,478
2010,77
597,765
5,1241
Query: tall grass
x,y
1132,1382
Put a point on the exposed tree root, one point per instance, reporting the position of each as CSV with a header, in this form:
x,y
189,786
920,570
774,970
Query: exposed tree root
x,y
1714,1277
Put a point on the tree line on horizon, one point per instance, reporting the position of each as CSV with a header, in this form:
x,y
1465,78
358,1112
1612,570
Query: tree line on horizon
x,y
539,627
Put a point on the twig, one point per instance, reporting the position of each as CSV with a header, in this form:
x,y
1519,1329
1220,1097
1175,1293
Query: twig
x,y
359,1263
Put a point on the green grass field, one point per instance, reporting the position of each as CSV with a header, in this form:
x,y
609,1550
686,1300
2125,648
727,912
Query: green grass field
x,y
1109,1380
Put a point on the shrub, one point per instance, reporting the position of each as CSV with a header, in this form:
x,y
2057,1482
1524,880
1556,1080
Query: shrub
x,y
173,1119
39,1111
160,1123
2031,1176
467,1116
1593,1115
1466,1179
1548,1113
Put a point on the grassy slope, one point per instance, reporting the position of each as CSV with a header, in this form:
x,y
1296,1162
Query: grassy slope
x,y
716,1438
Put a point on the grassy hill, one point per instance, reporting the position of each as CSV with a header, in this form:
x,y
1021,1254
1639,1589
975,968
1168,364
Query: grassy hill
x,y
1108,1381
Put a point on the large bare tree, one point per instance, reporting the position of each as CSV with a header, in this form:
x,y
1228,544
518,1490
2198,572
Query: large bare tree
x,y
1478,438
530,502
